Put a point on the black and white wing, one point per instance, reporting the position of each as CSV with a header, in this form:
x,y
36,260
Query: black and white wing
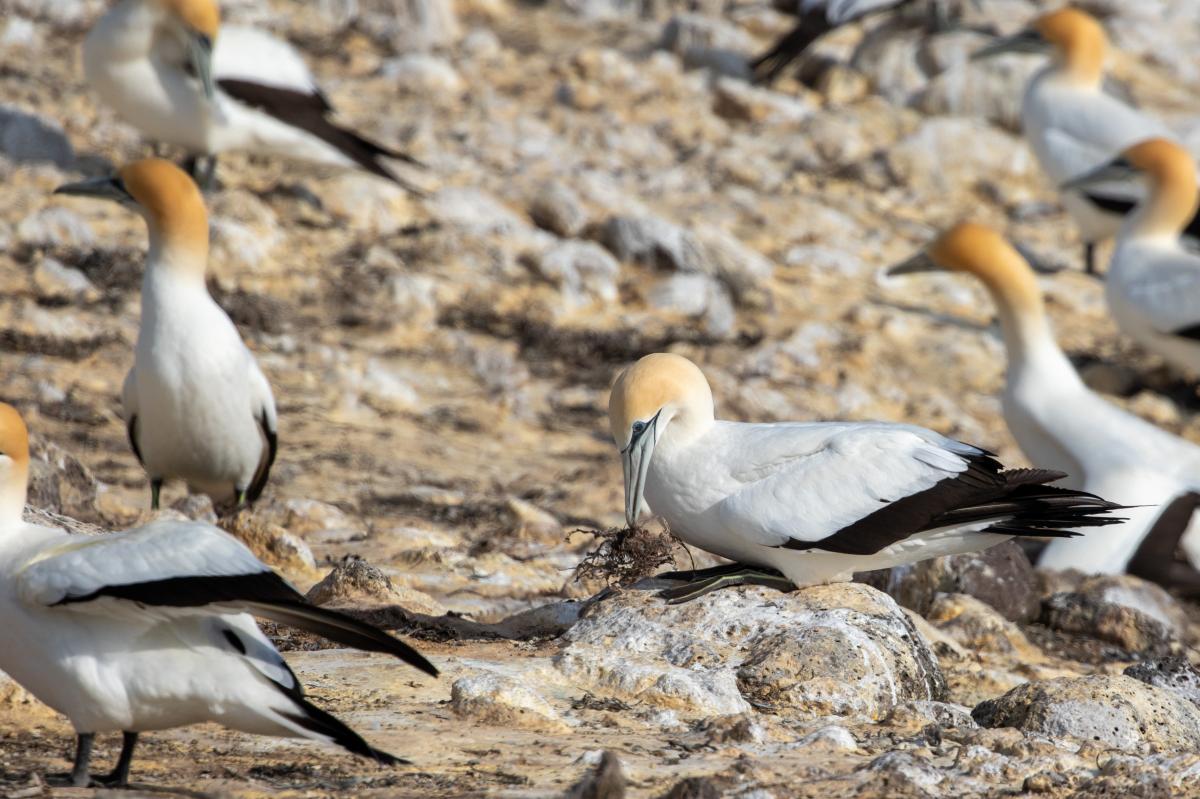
x,y
857,489
264,73
181,567
816,18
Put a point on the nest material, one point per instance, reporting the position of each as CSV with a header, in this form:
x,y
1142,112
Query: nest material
x,y
625,554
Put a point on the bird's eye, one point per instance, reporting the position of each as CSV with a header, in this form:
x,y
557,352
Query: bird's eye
x,y
639,428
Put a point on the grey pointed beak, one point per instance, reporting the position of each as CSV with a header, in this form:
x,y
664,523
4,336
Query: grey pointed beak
x,y
1026,41
200,48
109,187
1115,171
917,264
635,462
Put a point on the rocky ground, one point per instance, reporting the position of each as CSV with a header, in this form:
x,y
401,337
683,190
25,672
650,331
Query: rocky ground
x,y
602,183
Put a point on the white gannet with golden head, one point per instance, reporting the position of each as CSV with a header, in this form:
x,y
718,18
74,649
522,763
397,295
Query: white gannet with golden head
x,y
1060,423
197,406
817,501
171,70
1073,125
153,628
1153,287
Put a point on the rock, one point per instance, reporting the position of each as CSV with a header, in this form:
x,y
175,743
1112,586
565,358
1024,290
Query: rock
x,y
1175,673
918,715
61,14
310,517
991,89
583,271
1137,594
735,99
981,153
474,211
418,73
976,625
61,284
687,32
557,208
844,649
1131,630
408,25
1118,712
655,242
55,227
271,543
842,85
1128,778
244,233
606,781
26,138
353,581
531,523
198,507
1000,576
697,296
491,698
368,203
58,481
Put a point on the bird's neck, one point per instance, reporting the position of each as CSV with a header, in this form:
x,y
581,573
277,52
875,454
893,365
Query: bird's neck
x,y
129,30
1168,209
1028,338
13,492
172,265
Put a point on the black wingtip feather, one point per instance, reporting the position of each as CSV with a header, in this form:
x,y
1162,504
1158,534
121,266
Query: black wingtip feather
x,y
343,629
315,720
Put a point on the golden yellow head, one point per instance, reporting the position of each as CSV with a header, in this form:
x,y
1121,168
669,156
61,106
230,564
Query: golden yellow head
x,y
14,437
201,16
655,382
170,201
1078,38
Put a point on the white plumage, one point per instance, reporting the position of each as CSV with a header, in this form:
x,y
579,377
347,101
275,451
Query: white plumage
x,y
1061,424
150,628
1073,125
818,501
197,406
254,93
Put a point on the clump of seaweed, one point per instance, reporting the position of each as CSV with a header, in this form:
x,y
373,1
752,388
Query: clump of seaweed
x,y
625,554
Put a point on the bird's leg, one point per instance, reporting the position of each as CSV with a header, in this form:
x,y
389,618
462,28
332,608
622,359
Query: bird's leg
x,y
155,488
742,576
696,575
1155,560
1089,258
240,494
119,776
208,180
78,777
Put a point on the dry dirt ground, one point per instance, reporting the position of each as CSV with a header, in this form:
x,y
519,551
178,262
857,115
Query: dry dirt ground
x,y
442,390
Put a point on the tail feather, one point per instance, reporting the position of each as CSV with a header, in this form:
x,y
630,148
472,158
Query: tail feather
x,y
341,628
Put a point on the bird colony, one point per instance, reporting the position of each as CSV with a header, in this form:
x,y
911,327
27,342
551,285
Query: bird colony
x,y
600,399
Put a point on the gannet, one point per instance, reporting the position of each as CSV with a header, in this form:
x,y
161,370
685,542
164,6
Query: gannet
x,y
1153,288
171,70
817,17
152,628
197,407
817,501
1060,423
1073,125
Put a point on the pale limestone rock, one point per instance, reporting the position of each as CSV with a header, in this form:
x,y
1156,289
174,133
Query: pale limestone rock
x,y
1119,712
839,649
491,698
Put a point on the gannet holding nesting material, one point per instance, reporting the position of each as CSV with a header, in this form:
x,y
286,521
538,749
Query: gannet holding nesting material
x,y
152,628
1074,126
171,70
197,406
818,501
1060,423
1153,287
